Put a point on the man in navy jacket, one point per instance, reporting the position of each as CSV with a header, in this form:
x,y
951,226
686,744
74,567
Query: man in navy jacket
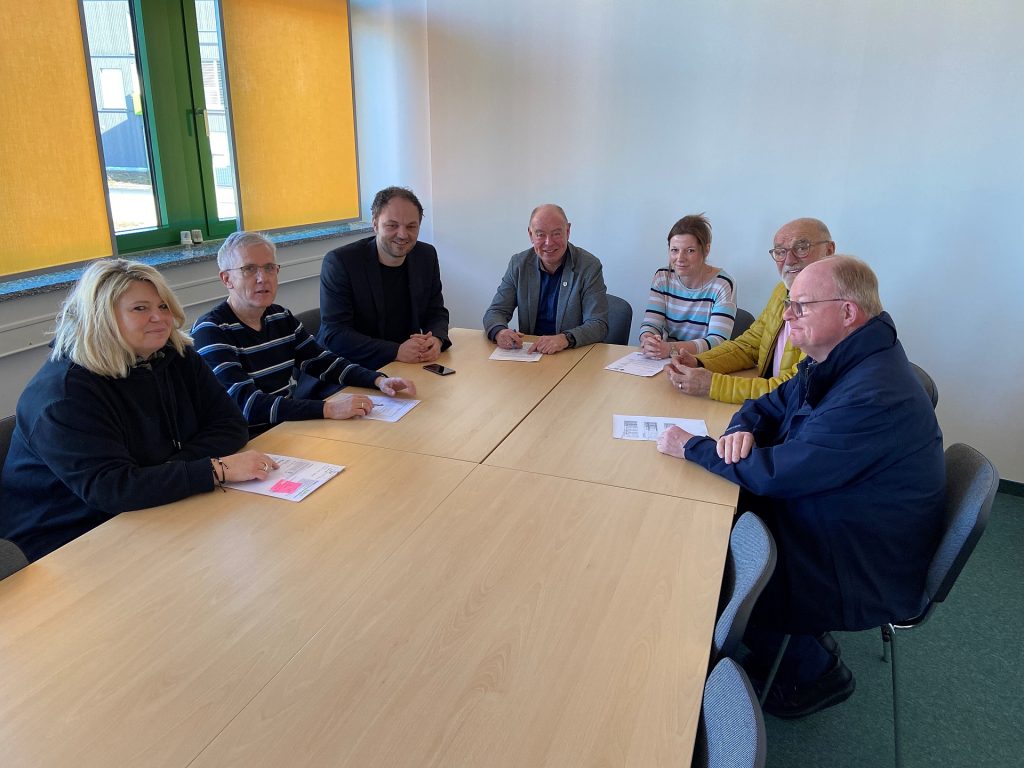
x,y
844,463
380,297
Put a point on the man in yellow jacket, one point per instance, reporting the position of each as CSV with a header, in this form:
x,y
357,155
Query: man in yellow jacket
x,y
765,345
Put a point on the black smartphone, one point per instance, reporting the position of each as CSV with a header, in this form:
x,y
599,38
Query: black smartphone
x,y
439,369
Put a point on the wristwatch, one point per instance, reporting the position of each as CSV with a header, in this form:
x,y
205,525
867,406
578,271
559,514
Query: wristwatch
x,y
571,339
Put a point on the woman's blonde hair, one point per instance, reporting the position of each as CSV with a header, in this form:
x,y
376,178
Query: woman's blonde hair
x,y
87,332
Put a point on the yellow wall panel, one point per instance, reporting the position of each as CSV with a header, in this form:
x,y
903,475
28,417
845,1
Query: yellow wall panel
x,y
52,205
289,70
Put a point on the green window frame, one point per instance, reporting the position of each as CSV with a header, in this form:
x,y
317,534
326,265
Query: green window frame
x,y
175,117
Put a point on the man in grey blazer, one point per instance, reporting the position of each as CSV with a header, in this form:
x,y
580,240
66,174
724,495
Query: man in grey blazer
x,y
558,288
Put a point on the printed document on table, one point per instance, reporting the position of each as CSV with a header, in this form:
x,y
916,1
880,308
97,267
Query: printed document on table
x,y
293,480
521,355
637,365
649,427
390,408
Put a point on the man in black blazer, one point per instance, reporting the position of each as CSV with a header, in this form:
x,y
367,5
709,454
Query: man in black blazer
x,y
380,297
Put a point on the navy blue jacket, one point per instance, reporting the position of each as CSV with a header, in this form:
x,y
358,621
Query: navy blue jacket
x,y
87,447
352,302
848,473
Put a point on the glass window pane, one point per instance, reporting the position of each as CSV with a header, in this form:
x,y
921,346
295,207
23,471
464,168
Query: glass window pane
x,y
122,125
213,86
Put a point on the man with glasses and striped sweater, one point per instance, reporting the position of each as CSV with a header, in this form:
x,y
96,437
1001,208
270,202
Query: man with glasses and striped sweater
x,y
265,358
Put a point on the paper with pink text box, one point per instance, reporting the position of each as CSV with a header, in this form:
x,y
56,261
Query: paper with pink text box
x,y
293,480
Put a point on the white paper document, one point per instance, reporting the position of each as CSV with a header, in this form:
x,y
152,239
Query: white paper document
x,y
636,364
521,355
649,427
293,480
390,408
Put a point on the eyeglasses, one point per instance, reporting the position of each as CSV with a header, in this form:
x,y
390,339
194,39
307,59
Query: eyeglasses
x,y
800,250
798,306
250,270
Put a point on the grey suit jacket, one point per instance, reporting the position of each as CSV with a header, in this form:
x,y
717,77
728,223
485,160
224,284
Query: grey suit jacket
x,y
582,297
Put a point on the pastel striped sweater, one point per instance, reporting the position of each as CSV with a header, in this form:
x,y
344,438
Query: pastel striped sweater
x,y
704,315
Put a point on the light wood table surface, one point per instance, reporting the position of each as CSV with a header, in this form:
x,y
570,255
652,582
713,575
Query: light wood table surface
x,y
530,621
462,416
135,644
570,433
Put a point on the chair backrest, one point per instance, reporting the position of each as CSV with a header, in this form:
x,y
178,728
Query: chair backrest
x,y
743,321
11,558
748,566
731,731
971,485
620,320
6,431
310,320
928,383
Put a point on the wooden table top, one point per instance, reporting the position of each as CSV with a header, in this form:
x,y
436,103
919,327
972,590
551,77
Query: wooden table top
x,y
531,620
138,642
416,610
569,434
462,416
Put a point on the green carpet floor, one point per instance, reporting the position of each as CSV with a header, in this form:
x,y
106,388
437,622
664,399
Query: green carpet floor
x,y
961,675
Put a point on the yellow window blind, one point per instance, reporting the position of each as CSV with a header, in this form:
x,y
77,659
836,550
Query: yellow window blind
x,y
289,70
52,206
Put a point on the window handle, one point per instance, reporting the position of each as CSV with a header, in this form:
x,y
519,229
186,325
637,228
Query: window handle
x,y
192,114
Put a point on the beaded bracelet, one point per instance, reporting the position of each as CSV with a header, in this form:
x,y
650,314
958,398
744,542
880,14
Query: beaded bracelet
x,y
223,473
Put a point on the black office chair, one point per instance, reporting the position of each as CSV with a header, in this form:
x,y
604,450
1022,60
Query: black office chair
x,y
731,729
11,559
310,320
6,431
928,383
743,321
620,320
971,485
748,566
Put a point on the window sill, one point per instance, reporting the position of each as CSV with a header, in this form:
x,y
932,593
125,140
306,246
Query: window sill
x,y
61,280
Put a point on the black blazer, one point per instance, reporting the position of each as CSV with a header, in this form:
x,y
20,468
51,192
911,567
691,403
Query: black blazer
x,y
352,302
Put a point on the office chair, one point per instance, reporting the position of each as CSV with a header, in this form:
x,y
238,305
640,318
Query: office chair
x,y
748,566
743,321
928,383
310,320
620,320
971,485
11,559
731,730
6,432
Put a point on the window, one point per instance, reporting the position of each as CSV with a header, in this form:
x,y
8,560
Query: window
x,y
158,88
141,82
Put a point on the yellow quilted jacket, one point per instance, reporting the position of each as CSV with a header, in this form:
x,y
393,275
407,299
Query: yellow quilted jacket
x,y
752,349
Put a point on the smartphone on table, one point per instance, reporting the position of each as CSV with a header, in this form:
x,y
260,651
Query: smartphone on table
x,y
439,369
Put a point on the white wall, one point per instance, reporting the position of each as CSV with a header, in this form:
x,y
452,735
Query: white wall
x,y
899,124
389,53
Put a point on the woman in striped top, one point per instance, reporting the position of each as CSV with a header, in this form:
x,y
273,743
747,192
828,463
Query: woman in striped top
x,y
692,305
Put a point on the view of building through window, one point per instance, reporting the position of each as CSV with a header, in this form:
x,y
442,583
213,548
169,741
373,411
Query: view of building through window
x,y
166,142
216,98
126,148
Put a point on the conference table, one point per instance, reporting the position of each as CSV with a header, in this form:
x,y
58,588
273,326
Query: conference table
x,y
419,609
137,643
569,433
470,412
